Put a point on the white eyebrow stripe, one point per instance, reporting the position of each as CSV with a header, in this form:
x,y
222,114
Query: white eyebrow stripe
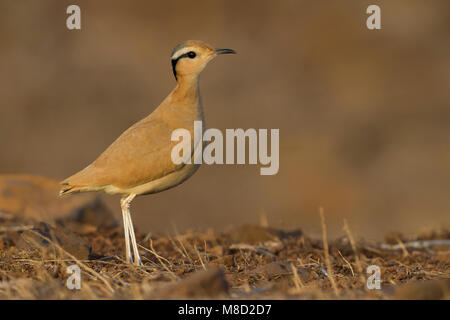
x,y
180,52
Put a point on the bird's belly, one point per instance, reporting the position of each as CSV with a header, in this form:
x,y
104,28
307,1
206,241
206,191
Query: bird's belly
x,y
171,180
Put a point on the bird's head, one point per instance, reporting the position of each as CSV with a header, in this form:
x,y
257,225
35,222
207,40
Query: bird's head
x,y
190,57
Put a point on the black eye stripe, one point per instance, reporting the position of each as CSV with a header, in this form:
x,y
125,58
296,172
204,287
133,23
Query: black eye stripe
x,y
174,64
190,54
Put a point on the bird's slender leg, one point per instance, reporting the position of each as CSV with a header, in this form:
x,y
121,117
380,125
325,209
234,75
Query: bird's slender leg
x,y
124,205
127,237
136,259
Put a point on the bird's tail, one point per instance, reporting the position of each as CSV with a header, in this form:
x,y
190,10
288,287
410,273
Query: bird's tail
x,y
68,189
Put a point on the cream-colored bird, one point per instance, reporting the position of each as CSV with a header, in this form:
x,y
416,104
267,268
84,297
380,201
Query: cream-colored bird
x,y
139,162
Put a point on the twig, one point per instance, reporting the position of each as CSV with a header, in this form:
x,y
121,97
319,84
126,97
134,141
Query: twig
x,y
160,259
15,228
154,252
198,253
184,249
325,249
355,251
402,246
348,263
176,247
297,282
178,236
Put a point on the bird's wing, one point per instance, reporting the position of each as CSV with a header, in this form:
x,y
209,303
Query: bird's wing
x,y
140,155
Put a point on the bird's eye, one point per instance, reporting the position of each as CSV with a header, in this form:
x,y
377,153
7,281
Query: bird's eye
x,y
191,54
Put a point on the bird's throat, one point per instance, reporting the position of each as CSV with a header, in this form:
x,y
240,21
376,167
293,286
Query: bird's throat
x,y
187,89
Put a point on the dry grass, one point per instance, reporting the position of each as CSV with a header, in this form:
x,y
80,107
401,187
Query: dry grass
x,y
326,253
292,266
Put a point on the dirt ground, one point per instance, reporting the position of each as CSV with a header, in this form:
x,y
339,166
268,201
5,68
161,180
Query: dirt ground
x,y
44,239
250,262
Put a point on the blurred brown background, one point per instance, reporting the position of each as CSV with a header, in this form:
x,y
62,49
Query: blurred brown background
x,y
363,115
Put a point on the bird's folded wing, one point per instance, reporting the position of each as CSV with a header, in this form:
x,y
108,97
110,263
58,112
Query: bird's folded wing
x,y
140,155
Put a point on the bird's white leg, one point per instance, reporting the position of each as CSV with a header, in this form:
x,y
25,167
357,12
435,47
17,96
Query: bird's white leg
x,y
124,205
137,259
129,256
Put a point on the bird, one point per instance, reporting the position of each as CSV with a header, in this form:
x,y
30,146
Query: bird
x,y
139,161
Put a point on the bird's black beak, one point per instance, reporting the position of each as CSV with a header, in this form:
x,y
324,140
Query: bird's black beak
x,y
225,51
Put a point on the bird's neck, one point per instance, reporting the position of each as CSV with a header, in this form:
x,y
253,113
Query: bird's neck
x,y
187,88
184,102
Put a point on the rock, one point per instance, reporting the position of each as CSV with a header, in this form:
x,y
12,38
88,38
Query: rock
x,y
257,234
276,270
94,213
227,261
216,251
84,229
208,283
424,290
36,198
273,246
394,237
273,269
66,239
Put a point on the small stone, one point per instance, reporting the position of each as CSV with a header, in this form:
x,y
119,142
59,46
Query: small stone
x,y
273,269
206,283
38,238
93,213
36,198
273,246
216,251
227,261
394,237
179,272
87,228
424,290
